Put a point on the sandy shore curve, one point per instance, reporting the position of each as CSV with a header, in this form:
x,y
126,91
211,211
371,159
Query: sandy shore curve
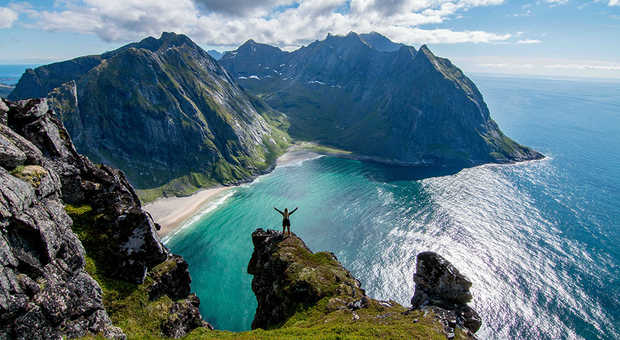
x,y
173,212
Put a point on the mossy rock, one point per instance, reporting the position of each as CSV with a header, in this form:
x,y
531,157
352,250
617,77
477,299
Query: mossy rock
x,y
32,174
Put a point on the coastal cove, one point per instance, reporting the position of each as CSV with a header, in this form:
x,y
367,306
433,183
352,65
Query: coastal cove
x,y
175,213
538,239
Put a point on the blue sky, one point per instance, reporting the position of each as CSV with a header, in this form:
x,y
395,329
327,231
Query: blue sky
x,y
543,37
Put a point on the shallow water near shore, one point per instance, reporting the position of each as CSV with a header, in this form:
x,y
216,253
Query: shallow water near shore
x,y
539,240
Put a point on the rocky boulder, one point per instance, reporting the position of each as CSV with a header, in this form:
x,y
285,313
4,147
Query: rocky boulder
x,y
45,291
288,275
440,284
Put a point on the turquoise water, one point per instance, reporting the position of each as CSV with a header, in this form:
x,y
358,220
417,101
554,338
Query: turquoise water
x,y
539,240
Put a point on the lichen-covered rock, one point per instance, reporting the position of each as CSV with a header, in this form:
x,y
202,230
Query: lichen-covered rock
x,y
440,284
170,278
4,109
184,316
10,155
45,291
288,275
134,246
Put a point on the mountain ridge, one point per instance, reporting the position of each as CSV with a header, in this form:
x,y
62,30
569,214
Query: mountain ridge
x,y
175,123
405,106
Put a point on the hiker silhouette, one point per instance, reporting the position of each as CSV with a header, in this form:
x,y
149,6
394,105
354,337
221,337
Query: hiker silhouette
x,y
286,222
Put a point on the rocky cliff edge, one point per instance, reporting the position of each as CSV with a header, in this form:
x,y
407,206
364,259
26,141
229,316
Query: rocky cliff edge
x,y
78,255
308,295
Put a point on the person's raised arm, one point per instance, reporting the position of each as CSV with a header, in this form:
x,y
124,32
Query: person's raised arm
x,y
279,211
294,210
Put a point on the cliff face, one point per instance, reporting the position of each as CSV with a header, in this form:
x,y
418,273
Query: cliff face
x,y
366,94
162,110
67,229
312,294
440,287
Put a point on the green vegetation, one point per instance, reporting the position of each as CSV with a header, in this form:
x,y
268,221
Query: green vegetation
x,y
32,174
320,322
222,172
127,304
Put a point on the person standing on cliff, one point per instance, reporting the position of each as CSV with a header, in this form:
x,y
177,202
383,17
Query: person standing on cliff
x,y
286,222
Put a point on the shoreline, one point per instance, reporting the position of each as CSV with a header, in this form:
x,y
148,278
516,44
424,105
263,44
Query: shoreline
x,y
172,213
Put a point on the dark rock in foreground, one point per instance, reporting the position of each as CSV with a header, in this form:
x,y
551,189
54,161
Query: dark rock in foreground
x,y
45,291
298,290
439,284
284,278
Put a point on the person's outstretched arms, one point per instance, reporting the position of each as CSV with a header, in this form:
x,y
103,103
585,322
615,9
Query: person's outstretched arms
x,y
279,211
294,210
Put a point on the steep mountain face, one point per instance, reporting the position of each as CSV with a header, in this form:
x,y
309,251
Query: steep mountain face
x,y
303,293
162,110
362,93
69,228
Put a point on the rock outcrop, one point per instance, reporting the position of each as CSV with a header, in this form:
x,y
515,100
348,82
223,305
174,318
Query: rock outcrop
x,y
366,94
300,293
162,110
286,278
45,290
439,284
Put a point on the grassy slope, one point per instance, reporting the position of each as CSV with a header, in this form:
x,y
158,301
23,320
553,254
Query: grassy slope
x,y
224,173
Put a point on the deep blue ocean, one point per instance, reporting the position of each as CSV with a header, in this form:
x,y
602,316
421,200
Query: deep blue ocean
x,y
10,74
540,240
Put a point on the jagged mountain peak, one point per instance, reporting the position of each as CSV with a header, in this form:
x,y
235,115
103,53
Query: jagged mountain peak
x,y
165,41
424,55
380,42
253,47
388,104
424,50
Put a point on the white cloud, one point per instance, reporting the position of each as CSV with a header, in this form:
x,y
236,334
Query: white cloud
x,y
560,2
7,17
529,41
508,66
608,67
614,2
286,23
553,67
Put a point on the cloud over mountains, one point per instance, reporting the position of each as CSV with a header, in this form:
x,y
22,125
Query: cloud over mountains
x,y
286,23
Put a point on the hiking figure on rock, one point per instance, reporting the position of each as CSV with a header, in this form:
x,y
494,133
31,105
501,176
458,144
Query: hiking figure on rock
x,y
286,222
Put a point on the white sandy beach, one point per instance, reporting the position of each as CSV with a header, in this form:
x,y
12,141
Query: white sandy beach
x,y
172,212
